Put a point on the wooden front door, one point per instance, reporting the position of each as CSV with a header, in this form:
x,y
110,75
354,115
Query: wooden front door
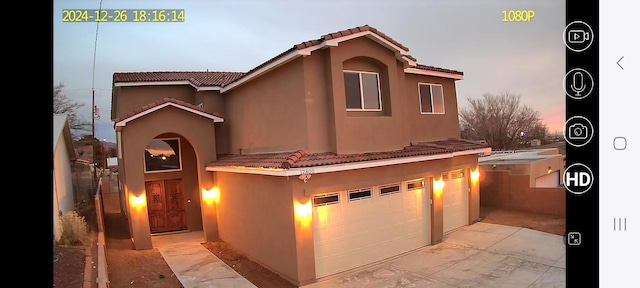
x,y
165,202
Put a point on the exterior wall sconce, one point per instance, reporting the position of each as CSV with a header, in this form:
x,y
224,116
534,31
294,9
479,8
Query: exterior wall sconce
x,y
303,212
438,184
475,174
138,201
212,195
549,170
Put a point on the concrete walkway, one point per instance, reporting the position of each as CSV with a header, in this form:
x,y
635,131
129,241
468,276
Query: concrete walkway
x,y
480,255
194,265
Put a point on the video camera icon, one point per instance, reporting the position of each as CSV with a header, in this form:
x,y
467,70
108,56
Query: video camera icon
x,y
578,36
578,131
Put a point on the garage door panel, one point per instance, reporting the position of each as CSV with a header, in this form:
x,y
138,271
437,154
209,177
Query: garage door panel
x,y
369,230
455,204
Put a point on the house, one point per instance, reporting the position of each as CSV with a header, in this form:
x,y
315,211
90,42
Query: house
x,y
63,157
334,154
542,166
528,180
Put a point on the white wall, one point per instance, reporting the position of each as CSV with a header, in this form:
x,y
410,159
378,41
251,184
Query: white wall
x,y
62,185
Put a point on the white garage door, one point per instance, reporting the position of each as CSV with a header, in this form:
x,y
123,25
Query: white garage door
x,y
455,207
549,180
359,227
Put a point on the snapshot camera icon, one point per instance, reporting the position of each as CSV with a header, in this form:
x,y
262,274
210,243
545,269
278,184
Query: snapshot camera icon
x,y
578,36
578,131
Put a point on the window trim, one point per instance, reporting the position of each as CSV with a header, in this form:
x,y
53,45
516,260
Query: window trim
x,y
416,180
357,191
390,185
325,195
362,91
431,92
144,159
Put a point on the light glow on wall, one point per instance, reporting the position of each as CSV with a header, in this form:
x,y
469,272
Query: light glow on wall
x,y
475,175
211,196
303,212
138,201
438,184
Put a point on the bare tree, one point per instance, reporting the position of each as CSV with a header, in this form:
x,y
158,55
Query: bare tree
x,y
62,104
501,120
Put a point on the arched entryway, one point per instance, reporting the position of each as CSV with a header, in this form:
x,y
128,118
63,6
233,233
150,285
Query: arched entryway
x,y
171,185
195,132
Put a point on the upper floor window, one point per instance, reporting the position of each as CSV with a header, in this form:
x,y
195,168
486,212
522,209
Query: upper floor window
x,y
431,98
362,90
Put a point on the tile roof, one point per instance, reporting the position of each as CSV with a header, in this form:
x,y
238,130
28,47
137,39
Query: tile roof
x,y
438,69
197,78
301,159
163,101
221,79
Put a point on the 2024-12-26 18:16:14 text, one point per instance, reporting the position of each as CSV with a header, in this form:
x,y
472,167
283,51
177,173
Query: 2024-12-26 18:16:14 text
x,y
123,15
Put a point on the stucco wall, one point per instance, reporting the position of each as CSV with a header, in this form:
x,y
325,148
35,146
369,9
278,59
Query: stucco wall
x,y
431,127
255,215
200,133
131,98
63,199
500,188
319,111
214,102
357,132
267,114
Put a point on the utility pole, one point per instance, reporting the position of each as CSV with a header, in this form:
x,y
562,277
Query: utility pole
x,y
93,133
93,113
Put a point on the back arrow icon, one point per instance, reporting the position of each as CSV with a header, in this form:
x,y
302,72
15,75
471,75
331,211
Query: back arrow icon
x,y
619,63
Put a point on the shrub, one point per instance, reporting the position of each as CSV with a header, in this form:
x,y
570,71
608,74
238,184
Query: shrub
x,y
74,229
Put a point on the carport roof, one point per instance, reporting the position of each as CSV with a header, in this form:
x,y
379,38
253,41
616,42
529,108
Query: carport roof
x,y
296,160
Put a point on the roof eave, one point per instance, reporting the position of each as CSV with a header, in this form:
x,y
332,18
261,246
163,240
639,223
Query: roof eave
x,y
344,167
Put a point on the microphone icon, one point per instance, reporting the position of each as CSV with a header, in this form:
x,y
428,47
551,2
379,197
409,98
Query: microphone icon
x,y
578,84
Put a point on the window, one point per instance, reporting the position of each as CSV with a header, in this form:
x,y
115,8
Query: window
x,y
162,155
362,90
326,199
415,185
359,194
389,189
457,174
431,98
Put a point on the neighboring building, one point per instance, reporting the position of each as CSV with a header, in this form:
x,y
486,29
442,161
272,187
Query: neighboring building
x,y
337,153
526,180
63,157
543,166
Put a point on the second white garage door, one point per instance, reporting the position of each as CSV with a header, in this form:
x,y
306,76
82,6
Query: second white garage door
x,y
455,201
359,227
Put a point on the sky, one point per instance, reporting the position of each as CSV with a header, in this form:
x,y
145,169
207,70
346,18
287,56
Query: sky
x,y
522,58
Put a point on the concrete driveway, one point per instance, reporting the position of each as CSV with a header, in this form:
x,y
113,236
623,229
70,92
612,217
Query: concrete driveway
x,y
479,255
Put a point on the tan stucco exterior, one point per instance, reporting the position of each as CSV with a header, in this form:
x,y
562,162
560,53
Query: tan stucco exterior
x,y
262,207
299,105
196,132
